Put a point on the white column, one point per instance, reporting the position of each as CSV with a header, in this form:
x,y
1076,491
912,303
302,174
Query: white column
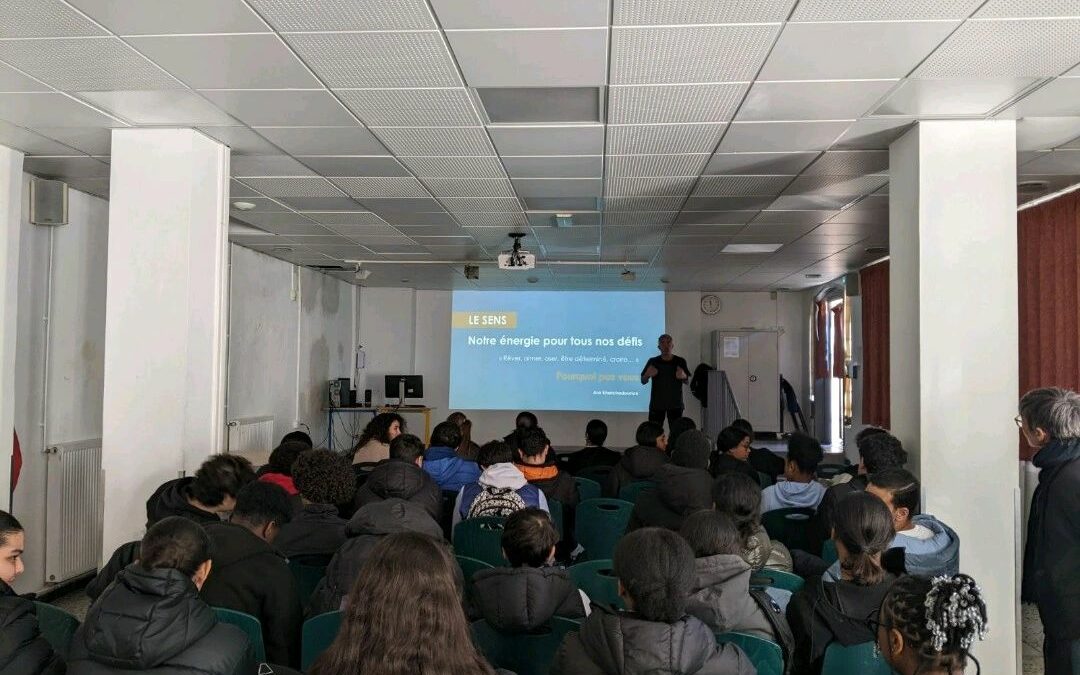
x,y
953,346
165,317
11,163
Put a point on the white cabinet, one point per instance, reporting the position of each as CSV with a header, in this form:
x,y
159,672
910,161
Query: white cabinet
x,y
752,362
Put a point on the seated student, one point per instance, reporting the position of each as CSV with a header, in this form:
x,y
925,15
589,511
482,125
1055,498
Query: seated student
x,y
526,595
655,568
442,462
368,526
536,461
800,490
678,427
403,615
250,576
500,490
402,477
827,611
297,437
763,460
929,625
468,448
316,532
23,650
594,453
640,462
721,595
740,498
374,443
682,486
278,469
931,548
732,453
524,420
152,620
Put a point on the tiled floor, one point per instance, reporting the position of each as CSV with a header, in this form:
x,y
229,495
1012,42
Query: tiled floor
x,y
1031,640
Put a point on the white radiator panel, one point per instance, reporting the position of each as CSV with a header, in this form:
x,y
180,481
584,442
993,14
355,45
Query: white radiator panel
x,y
252,437
74,509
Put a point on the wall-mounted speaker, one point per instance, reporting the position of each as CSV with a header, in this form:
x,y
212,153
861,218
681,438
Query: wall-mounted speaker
x,y
48,202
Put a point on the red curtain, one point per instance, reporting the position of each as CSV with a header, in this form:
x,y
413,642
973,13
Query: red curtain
x,y
874,290
1048,242
838,351
821,358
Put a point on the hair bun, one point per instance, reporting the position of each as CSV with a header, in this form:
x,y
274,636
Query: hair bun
x,y
955,612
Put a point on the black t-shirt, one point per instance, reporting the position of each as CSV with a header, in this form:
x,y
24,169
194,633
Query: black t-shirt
x,y
666,388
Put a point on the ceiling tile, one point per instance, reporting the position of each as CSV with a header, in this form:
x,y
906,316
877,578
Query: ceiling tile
x,y
799,202
582,220
356,231
619,166
29,142
259,204
759,163
66,167
380,187
450,107
347,140
532,58
1045,133
646,187
663,138
734,186
43,18
684,54
769,101
170,107
548,140
814,216
241,140
267,165
279,220
501,14
488,188
390,208
922,98
714,217
296,186
378,59
227,61
1056,162
873,134
555,167
558,187
835,185
426,142
674,103
541,105
643,203
355,166
455,167
1007,9
238,189
435,220
561,203
287,108
349,218
335,203
504,219
51,110
850,163
346,15
681,12
781,136
910,10
740,203
11,80
1006,48
159,17
85,64
1058,98
639,218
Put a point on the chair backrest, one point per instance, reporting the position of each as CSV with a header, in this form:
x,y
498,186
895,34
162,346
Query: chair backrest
x,y
598,474
469,567
599,525
307,578
57,626
790,526
588,488
860,659
766,655
317,634
629,493
556,511
828,552
831,470
247,623
523,653
597,579
777,579
481,538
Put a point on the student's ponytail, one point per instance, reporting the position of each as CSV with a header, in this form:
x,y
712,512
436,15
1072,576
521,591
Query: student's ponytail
x,y
863,524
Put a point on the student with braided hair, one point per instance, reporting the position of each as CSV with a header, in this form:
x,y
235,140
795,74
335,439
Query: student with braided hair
x,y
927,626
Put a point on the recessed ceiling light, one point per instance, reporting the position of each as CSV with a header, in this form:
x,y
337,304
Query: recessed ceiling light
x,y
243,206
813,276
1033,186
532,280
877,250
751,248
281,249
628,275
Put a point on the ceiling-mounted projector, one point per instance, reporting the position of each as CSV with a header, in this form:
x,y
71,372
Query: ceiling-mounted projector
x,y
516,258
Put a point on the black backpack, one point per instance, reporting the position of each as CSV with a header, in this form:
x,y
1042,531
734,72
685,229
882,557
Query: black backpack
x,y
775,616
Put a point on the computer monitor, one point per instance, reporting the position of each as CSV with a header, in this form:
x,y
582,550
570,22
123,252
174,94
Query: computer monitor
x,y
414,386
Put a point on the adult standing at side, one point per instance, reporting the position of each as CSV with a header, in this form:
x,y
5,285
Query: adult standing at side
x,y
1050,421
668,373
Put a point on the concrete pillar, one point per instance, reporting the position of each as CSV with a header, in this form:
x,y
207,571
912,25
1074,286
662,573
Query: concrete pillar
x,y
953,347
11,163
165,317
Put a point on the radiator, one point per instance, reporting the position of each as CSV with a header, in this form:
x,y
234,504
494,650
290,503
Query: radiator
x,y
252,437
74,509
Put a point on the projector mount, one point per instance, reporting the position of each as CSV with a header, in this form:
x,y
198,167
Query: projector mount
x,y
516,256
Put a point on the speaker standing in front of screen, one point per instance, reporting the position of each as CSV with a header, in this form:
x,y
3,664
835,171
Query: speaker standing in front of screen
x,y
668,373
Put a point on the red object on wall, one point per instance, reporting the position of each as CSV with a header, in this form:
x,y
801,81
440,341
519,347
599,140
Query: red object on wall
x,y
16,461
1048,252
874,290
839,354
821,359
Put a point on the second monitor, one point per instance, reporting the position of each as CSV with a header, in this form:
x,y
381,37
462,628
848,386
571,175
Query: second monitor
x,y
413,386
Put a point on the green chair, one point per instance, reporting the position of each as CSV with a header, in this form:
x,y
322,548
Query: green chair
x,y
597,579
766,655
597,474
629,493
588,488
555,509
832,470
600,524
307,578
317,634
765,480
481,538
860,659
247,623
469,567
783,580
789,526
828,552
57,626
522,653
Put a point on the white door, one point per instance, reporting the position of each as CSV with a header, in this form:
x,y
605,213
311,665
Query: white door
x,y
763,382
732,351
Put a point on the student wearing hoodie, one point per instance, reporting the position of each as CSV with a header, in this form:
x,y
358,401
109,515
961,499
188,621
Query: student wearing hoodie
x,y
152,620
536,461
278,469
23,649
827,611
443,463
500,490
250,576
655,568
402,477
594,453
732,454
526,595
682,487
325,480
640,462
740,497
799,489
931,548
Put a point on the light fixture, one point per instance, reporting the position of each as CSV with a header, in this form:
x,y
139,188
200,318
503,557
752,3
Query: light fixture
x,y
472,271
281,249
628,275
1033,186
813,276
362,275
877,250
532,280
751,248
243,206
563,219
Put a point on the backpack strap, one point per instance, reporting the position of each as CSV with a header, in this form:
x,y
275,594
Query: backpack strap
x,y
784,637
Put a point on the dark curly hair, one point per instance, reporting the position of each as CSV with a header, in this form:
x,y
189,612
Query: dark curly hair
x,y
882,451
221,477
324,477
379,428
283,456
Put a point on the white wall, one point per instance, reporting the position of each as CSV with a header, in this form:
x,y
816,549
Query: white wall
x,y
72,409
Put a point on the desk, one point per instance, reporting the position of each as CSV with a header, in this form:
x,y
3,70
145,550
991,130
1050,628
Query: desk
x,y
373,411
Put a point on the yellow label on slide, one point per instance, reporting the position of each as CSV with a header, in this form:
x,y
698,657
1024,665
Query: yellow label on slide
x,y
477,320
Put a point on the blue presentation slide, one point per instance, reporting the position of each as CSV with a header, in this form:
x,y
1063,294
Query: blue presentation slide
x,y
545,350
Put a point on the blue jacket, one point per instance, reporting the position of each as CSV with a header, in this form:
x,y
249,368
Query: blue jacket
x,y
925,557
450,471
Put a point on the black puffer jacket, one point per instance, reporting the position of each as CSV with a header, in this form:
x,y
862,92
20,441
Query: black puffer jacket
x,y
154,622
640,462
171,499
520,599
396,478
313,535
679,492
367,528
721,597
622,643
23,650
